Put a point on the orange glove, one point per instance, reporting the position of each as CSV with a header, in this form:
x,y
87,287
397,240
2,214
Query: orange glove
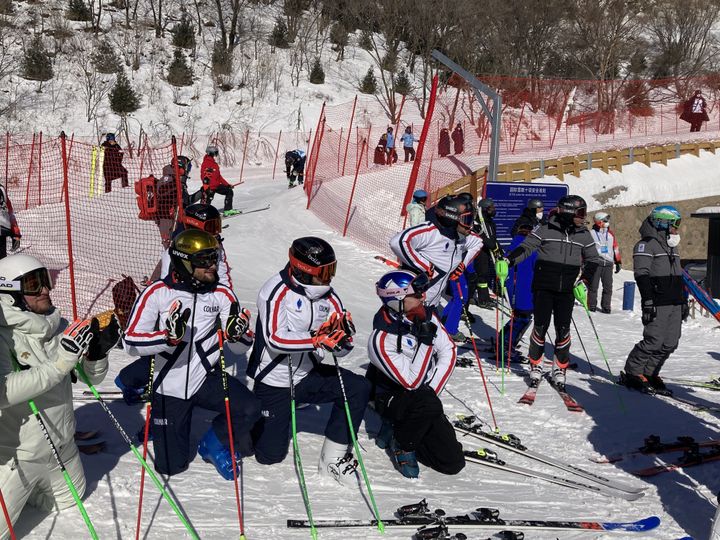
x,y
455,274
330,342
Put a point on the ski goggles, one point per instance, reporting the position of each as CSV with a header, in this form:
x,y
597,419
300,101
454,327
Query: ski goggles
x,y
416,288
324,272
212,226
670,222
466,219
204,259
577,212
32,283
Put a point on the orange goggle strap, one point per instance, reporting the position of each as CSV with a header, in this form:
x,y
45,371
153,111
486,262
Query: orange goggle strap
x,y
212,226
325,272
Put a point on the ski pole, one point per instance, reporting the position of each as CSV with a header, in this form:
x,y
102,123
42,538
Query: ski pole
x,y
84,378
230,434
56,455
356,447
502,338
512,318
479,362
7,516
148,412
592,370
296,454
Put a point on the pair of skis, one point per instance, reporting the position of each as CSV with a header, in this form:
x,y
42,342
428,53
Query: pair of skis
x,y
435,524
468,426
528,398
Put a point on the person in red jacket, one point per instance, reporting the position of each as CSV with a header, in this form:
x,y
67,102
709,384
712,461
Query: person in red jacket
x,y
213,181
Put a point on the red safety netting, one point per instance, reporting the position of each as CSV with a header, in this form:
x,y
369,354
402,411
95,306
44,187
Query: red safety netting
x,y
359,190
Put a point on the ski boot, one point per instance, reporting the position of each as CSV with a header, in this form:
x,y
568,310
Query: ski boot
x,y
536,372
211,450
405,462
557,377
659,385
336,461
636,382
459,337
385,435
131,394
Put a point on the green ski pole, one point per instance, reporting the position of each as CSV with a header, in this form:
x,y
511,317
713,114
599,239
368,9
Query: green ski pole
x,y
151,473
356,447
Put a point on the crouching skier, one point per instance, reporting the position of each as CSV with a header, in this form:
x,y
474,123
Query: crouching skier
x,y
36,364
301,322
412,357
176,320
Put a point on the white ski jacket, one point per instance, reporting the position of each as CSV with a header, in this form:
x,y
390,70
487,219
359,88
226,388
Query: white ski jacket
x,y
285,318
415,214
179,370
424,247
33,341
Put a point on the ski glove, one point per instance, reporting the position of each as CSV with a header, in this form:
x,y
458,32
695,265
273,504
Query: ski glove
x,y
617,267
648,312
502,268
426,332
685,311
15,244
329,341
74,344
455,274
176,323
103,340
580,292
237,324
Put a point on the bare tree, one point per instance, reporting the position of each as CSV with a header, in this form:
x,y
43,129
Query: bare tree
x,y
94,85
228,15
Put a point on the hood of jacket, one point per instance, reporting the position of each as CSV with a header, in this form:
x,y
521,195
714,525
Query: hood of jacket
x,y
648,231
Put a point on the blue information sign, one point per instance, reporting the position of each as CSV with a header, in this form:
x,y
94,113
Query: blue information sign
x,y
511,198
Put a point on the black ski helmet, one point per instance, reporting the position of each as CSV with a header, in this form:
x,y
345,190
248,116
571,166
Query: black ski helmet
x,y
487,207
452,211
572,206
204,217
535,203
310,257
193,249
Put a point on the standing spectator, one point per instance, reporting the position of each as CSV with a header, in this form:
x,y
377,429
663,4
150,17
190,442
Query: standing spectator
x,y
392,156
531,217
8,225
609,251
658,275
295,166
112,163
379,156
408,139
213,181
695,111
37,360
407,390
458,138
444,142
416,209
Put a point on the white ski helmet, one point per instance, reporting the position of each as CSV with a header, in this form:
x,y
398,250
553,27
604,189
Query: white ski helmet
x,y
601,218
23,274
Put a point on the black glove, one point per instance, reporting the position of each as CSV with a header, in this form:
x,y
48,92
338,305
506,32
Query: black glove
x,y
617,267
347,325
426,332
103,340
15,244
685,311
237,324
648,312
176,323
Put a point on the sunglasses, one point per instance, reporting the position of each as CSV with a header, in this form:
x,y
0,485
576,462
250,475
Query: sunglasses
x,y
204,259
32,283
324,273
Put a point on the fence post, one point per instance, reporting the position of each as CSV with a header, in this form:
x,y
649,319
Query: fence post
x,y
347,142
677,150
242,165
277,149
352,192
68,228
589,161
40,170
178,182
338,152
517,132
27,190
631,155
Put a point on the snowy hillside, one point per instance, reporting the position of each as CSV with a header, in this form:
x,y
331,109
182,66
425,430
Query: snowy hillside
x,y
257,247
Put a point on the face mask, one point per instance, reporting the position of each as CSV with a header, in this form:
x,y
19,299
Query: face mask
x,y
673,240
315,292
539,215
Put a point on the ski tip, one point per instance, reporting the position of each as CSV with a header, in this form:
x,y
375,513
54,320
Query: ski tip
x,y
642,525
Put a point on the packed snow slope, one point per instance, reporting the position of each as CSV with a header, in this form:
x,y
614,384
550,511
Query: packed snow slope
x,y
615,420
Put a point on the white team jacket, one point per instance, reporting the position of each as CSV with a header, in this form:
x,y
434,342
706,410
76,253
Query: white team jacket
x,y
179,370
223,268
424,246
285,318
34,340
416,364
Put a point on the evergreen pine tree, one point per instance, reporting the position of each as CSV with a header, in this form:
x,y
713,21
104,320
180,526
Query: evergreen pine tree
x,y
222,60
184,34
105,59
403,85
317,74
279,35
78,11
36,62
179,72
339,34
369,83
365,41
123,98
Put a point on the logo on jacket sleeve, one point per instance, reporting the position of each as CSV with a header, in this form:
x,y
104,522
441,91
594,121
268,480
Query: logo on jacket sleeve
x,y
641,248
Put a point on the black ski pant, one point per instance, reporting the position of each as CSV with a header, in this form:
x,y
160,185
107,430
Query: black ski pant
x,y
222,190
171,419
559,306
136,373
409,153
420,426
603,274
321,385
660,339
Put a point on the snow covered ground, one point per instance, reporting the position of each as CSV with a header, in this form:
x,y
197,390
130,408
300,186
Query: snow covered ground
x,y
257,246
